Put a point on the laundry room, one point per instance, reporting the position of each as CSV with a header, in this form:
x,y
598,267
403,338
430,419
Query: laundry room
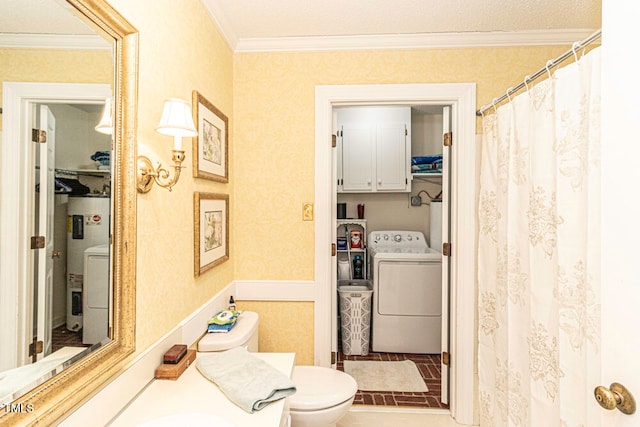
x,y
77,279
391,213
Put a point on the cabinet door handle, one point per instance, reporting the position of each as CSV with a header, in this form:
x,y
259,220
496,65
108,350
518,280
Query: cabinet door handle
x,y
368,182
379,181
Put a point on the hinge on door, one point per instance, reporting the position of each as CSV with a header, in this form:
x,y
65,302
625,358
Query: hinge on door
x,y
406,132
446,249
37,242
38,135
448,139
333,141
445,358
333,249
333,357
36,347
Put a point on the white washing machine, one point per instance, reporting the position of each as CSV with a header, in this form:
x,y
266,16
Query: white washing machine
x,y
407,293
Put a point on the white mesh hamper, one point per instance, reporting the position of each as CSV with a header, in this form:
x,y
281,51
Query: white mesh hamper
x,y
355,314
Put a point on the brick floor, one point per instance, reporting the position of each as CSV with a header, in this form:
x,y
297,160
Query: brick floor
x,y
429,367
61,337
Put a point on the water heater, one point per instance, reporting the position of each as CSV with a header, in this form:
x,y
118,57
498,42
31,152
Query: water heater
x,y
88,223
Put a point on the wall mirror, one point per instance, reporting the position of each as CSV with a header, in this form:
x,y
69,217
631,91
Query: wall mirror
x,y
66,194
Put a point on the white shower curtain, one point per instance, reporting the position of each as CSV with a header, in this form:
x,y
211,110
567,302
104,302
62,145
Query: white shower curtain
x,y
538,254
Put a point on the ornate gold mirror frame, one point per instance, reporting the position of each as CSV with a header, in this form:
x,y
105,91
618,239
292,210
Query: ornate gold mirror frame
x,y
55,398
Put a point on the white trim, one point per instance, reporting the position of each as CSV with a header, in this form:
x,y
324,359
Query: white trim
x,y
409,41
221,22
54,41
463,212
16,201
399,410
272,290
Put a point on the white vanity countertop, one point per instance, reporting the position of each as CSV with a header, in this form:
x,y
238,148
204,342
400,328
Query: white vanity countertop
x,y
193,393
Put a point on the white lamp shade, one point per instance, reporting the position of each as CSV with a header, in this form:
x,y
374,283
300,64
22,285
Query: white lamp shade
x,y
176,119
106,120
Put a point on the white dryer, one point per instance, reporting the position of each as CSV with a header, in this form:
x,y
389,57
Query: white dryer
x,y
407,293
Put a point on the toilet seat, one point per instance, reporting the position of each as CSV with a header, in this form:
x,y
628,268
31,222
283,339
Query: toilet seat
x,y
320,388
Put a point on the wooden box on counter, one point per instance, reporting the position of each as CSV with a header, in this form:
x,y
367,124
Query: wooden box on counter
x,y
168,371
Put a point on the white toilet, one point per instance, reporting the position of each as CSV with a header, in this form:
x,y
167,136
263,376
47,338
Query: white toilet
x,y
323,396
243,334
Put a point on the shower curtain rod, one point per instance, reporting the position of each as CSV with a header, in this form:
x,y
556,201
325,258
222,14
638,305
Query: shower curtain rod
x,y
550,64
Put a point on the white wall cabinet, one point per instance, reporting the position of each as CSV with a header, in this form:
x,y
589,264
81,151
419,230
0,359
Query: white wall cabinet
x,y
374,147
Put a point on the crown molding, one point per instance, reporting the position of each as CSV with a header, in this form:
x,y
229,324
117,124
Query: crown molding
x,y
221,22
53,41
411,41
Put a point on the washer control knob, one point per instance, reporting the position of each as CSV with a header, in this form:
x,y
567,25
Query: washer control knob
x,y
386,237
409,237
397,238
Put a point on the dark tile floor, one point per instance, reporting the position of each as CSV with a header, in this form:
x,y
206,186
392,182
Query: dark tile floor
x,y
429,367
61,337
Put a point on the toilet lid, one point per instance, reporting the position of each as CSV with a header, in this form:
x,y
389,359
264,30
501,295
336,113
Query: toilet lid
x,y
320,388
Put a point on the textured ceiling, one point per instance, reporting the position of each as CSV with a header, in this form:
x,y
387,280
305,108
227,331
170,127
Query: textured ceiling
x,y
243,19
263,19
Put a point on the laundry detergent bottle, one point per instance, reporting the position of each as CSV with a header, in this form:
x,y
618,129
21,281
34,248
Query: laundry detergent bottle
x,y
357,267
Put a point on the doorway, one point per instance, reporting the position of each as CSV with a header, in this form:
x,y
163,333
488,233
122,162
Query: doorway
x,y
461,97
23,162
393,166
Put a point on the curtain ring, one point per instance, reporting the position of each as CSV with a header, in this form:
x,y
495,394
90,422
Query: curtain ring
x,y
549,64
525,82
493,103
509,93
574,48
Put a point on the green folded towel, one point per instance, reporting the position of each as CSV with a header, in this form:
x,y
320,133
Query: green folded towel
x,y
249,382
225,317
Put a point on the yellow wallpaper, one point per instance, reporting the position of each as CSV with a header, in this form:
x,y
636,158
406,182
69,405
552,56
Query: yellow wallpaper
x,y
55,65
179,50
274,134
280,327
274,147
269,99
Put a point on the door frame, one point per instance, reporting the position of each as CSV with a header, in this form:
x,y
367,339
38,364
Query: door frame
x,y
16,203
462,98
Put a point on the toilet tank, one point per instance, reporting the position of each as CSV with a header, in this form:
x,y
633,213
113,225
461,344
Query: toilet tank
x,y
243,334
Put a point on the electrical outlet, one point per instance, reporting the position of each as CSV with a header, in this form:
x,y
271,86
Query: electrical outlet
x,y
416,201
307,211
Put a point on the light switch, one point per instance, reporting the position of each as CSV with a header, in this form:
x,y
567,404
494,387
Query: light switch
x,y
307,211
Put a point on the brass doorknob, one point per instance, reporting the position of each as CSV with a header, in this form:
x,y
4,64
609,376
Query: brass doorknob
x,y
616,396
55,254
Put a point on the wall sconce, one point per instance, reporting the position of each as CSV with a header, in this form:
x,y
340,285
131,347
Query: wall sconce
x,y
106,120
176,121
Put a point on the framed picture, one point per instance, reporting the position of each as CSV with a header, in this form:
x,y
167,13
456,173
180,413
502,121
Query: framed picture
x,y
210,147
211,230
